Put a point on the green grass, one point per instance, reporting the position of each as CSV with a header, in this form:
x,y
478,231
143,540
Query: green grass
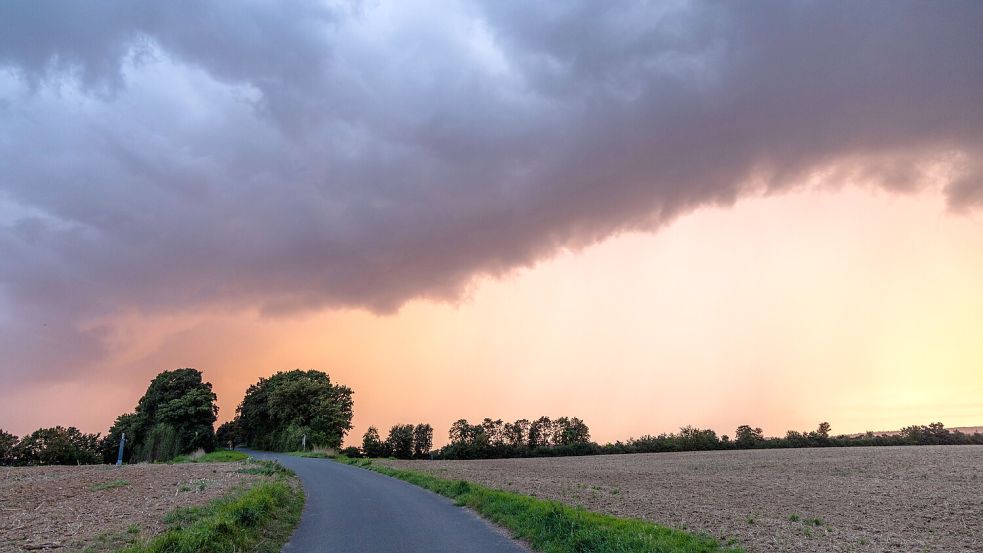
x,y
258,519
552,527
217,456
312,454
112,484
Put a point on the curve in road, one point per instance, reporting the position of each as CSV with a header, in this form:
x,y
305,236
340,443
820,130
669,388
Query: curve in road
x,y
353,510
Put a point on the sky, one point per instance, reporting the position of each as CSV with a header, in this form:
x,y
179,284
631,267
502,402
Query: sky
x,y
644,215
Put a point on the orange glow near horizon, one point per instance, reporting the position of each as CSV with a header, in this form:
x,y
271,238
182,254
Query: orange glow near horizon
x,y
856,307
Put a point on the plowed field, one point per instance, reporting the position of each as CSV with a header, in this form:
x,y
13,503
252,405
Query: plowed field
x,y
66,508
925,498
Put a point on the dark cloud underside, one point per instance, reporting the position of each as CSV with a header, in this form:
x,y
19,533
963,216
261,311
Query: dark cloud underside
x,y
296,155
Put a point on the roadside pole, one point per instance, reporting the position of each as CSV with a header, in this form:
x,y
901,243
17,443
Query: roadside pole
x,y
119,456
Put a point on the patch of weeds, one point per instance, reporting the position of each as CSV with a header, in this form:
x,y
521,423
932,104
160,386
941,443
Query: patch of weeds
x,y
814,521
113,541
554,527
355,462
615,491
794,517
112,484
750,519
217,456
265,468
312,454
197,486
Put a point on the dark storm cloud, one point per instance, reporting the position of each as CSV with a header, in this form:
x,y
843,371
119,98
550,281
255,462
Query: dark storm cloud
x,y
159,157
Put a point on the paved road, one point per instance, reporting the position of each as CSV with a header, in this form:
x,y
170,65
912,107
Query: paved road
x,y
353,510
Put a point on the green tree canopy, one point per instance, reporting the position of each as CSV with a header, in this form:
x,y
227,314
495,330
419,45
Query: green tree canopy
x,y
422,440
748,437
57,446
278,411
400,441
372,445
7,443
175,416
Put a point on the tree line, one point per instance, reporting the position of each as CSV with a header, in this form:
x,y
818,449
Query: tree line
x,y
405,441
177,414
543,437
291,410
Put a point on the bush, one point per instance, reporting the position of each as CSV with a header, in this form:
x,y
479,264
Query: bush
x,y
351,452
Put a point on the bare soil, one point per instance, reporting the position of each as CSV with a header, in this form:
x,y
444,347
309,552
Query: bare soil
x,y
67,508
870,499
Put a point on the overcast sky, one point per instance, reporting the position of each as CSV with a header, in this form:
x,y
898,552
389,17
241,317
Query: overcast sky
x,y
173,158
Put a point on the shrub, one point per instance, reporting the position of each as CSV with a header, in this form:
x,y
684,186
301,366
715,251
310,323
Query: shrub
x,y
351,452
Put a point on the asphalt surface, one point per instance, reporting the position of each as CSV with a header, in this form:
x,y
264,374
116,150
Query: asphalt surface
x,y
354,510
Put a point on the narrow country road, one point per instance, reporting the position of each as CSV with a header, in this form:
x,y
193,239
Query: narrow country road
x,y
353,510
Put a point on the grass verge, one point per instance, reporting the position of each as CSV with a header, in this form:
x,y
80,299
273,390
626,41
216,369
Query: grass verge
x,y
217,456
312,454
553,527
258,519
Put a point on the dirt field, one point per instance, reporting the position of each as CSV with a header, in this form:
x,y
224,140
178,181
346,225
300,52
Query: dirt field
x,y
67,508
927,498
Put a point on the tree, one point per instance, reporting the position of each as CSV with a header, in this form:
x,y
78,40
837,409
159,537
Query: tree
x,y
514,434
175,416
695,439
227,434
400,441
540,432
372,445
109,446
58,446
277,412
461,432
492,430
748,437
7,444
937,434
422,440
823,430
568,431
